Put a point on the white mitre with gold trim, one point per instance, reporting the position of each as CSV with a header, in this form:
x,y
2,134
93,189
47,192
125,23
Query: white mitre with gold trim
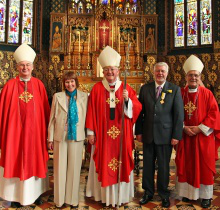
x,y
193,63
24,53
109,57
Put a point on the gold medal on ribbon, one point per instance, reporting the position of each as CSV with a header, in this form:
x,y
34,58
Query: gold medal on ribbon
x,y
162,97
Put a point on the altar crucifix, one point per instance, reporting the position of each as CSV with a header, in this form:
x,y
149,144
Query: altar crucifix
x,y
103,33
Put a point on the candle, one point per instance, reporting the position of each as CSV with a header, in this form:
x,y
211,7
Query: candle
x,y
119,40
70,42
137,43
112,33
79,41
95,37
88,41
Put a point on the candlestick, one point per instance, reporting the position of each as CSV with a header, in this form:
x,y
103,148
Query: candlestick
x,y
137,43
79,41
69,61
88,65
88,41
70,43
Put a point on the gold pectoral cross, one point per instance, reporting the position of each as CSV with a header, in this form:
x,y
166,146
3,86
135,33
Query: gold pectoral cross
x,y
190,108
26,96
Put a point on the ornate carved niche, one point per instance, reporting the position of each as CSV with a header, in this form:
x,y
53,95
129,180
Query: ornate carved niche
x,y
78,55
104,27
150,34
128,30
57,33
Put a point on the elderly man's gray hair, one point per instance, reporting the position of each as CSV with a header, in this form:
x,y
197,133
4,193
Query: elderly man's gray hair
x,y
161,64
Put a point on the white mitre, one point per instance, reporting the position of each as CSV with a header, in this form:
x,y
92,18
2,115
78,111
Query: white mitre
x,y
109,57
193,63
24,53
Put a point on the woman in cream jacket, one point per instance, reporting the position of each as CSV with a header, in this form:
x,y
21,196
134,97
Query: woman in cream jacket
x,y
66,134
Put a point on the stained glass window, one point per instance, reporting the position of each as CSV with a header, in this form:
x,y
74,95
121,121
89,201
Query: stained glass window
x,y
88,8
192,23
127,7
179,23
80,8
105,2
120,8
13,30
134,8
27,23
206,21
2,20
16,21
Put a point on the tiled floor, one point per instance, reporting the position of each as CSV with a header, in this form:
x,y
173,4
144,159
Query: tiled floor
x,y
88,203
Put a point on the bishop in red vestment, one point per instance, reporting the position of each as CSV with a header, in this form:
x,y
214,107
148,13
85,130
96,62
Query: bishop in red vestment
x,y
24,113
195,157
104,120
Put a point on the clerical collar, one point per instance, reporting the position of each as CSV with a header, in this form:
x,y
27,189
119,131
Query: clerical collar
x,y
193,90
113,84
24,80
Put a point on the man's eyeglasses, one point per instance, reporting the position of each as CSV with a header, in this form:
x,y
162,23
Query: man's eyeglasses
x,y
109,70
25,65
193,75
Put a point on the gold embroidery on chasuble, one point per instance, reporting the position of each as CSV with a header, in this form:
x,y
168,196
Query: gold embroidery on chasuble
x,y
114,164
26,96
190,108
116,100
113,132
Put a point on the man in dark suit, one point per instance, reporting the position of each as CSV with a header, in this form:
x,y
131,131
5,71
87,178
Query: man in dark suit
x,y
159,127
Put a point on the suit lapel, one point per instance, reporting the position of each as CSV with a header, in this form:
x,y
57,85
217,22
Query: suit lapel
x,y
62,100
165,87
152,91
80,97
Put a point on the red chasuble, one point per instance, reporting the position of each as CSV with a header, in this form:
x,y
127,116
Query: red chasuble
x,y
108,132
23,129
196,154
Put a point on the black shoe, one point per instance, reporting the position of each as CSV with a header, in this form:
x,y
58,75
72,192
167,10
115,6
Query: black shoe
x,y
74,207
206,203
165,202
184,199
15,205
156,165
59,207
145,199
39,201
